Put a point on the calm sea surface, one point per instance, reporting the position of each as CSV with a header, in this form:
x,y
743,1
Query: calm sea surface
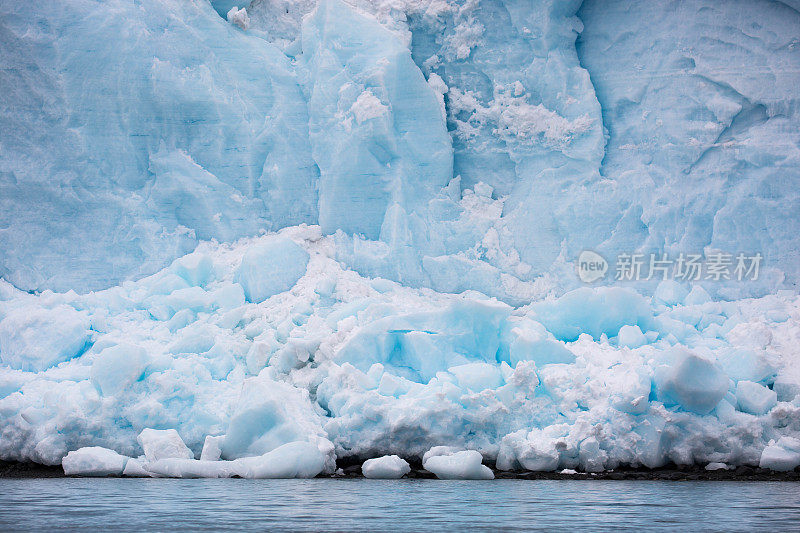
x,y
117,505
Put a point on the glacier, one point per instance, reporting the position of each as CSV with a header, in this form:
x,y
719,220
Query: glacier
x,y
254,238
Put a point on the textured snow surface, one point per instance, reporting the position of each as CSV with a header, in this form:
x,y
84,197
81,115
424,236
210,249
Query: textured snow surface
x,y
249,238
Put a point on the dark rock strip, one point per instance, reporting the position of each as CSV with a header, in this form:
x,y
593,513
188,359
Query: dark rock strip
x,y
666,473
15,470
351,469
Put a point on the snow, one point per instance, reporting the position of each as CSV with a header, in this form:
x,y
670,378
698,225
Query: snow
x,y
465,464
386,467
280,233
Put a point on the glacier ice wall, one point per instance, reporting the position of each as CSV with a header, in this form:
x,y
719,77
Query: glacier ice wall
x,y
186,128
348,227
703,123
377,129
131,131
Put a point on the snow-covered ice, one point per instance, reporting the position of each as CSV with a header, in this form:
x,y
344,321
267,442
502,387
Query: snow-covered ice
x,y
252,238
94,461
386,467
782,455
465,464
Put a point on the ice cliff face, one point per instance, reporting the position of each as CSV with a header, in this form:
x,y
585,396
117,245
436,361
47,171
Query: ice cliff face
x,y
131,131
702,116
434,168
182,128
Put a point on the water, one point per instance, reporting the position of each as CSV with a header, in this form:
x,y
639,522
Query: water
x,y
120,505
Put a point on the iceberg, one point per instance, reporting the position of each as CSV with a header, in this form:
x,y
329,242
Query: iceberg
x,y
256,238
459,465
94,461
386,467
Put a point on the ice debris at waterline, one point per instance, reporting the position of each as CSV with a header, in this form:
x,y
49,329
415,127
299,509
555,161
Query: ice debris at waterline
x,y
167,456
346,229
309,362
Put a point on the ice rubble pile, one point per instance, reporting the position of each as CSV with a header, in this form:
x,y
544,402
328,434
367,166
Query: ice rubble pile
x,y
382,200
261,380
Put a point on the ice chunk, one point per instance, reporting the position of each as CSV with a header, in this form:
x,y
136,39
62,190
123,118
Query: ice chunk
x,y
117,367
534,451
591,457
529,341
754,398
291,460
437,451
783,455
37,338
136,468
697,296
631,336
670,292
239,17
592,311
93,461
746,364
691,381
163,444
212,448
787,384
224,6
386,467
271,267
477,376
191,468
197,269
459,465
716,466
269,414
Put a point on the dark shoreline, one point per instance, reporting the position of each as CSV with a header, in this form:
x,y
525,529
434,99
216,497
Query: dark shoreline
x,y
17,470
